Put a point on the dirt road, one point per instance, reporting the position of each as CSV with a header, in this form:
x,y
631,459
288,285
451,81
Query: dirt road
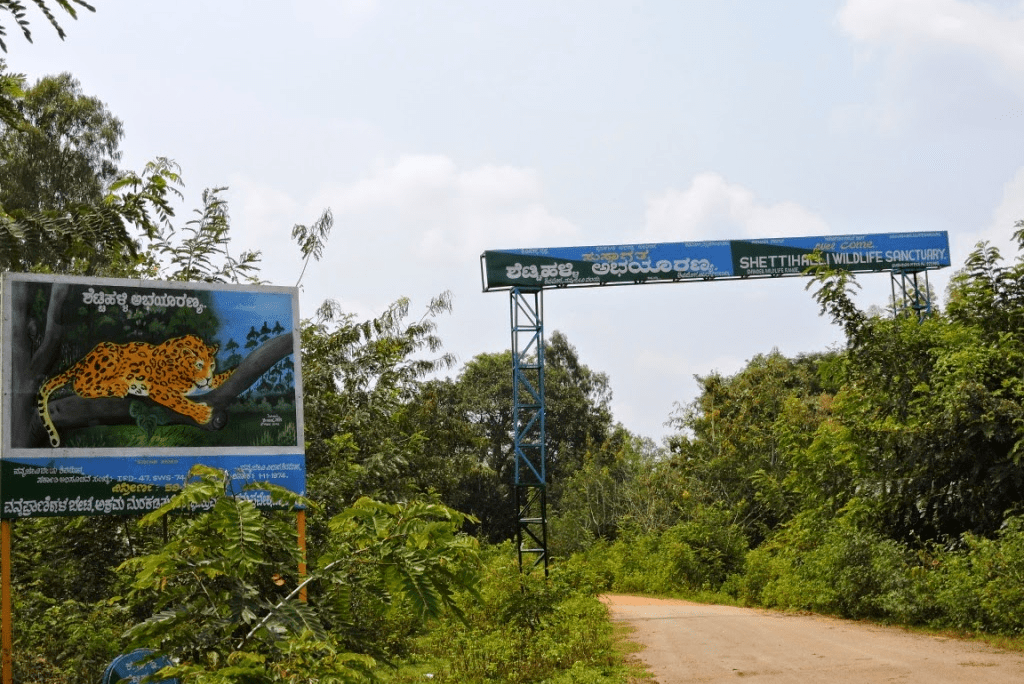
x,y
690,642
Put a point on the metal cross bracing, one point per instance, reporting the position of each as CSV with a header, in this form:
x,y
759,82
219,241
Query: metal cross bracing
x,y
911,296
528,443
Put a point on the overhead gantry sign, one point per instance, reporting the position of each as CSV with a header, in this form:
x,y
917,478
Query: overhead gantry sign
x,y
526,273
558,267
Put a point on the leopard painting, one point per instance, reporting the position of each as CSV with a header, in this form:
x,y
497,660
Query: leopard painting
x,y
164,372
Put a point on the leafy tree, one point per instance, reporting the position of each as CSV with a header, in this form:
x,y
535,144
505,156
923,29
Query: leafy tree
x,y
65,206
58,160
66,155
928,420
358,379
226,601
12,90
395,561
623,486
312,239
481,398
17,10
92,236
475,410
733,446
446,465
988,294
193,252
578,402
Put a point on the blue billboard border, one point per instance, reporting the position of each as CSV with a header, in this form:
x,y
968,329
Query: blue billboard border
x,y
138,485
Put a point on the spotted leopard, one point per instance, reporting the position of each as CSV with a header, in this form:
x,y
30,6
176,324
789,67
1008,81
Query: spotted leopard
x,y
164,372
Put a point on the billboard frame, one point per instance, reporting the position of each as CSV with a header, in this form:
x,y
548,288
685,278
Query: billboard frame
x,y
132,317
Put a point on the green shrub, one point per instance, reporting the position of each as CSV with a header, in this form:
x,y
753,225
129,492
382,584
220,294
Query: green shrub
x,y
635,563
64,641
701,553
228,610
955,587
589,574
979,586
830,566
1002,598
695,555
525,628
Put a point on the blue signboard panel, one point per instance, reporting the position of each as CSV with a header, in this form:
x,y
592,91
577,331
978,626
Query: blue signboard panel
x,y
680,261
132,485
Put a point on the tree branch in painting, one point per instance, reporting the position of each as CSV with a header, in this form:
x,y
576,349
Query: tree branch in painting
x,y
76,412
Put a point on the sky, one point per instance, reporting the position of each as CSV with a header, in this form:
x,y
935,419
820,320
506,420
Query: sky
x,y
435,130
240,312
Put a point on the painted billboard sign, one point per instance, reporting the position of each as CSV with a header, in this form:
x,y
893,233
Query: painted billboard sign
x,y
113,389
681,261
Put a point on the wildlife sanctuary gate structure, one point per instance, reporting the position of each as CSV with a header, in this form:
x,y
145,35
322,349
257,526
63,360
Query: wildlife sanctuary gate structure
x,y
526,273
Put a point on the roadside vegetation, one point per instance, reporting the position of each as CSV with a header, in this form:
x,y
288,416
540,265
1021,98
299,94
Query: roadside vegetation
x,y
880,480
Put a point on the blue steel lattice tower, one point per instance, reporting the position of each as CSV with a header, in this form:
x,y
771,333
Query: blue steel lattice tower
x,y
528,427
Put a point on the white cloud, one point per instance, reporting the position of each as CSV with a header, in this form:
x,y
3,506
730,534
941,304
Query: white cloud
x,y
451,214
422,204
256,206
418,224
910,24
999,231
713,208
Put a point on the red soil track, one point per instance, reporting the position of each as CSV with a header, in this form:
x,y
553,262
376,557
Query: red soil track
x,y
691,642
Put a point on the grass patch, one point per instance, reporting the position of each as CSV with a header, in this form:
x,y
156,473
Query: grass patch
x,y
524,630
627,651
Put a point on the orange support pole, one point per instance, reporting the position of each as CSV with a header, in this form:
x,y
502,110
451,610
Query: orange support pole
x,y
7,645
300,523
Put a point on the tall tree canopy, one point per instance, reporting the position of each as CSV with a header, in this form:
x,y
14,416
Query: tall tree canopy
x,y
931,412
65,153
737,439
470,416
63,205
359,381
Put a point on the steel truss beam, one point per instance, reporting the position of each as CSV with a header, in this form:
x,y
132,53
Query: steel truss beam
x,y
527,318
